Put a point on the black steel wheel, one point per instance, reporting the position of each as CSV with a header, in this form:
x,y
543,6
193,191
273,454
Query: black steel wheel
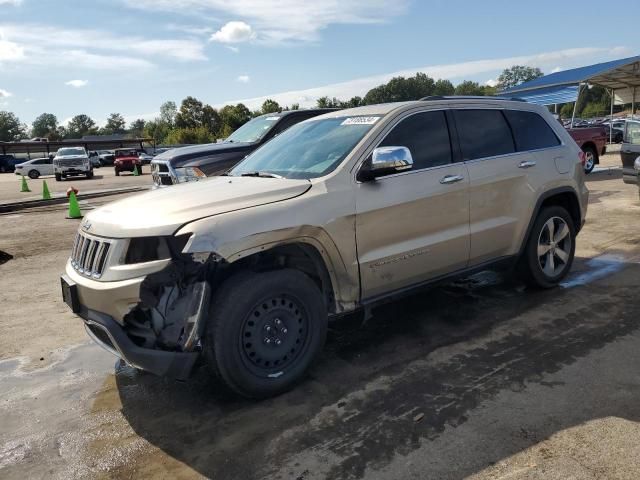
x,y
264,331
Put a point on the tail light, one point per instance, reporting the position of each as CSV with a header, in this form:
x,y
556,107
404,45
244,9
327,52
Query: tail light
x,y
583,157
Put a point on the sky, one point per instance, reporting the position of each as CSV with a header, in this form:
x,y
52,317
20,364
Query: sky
x,y
96,57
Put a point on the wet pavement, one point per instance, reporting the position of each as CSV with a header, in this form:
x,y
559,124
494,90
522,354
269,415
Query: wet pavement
x,y
480,377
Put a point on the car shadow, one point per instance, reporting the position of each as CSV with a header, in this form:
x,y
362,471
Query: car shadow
x,y
356,406
602,175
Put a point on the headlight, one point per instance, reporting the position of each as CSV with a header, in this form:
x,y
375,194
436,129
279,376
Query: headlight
x,y
189,174
636,164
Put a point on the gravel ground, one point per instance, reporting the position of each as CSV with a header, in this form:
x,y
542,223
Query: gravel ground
x,y
480,378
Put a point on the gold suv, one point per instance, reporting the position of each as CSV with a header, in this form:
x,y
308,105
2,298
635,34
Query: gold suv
x,y
337,213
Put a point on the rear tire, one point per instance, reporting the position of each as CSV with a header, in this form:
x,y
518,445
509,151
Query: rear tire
x,y
591,158
33,174
264,331
550,249
117,173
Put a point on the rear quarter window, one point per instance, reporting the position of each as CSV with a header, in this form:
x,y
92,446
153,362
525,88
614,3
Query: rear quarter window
x,y
530,130
483,133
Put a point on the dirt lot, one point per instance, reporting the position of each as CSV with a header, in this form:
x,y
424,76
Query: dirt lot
x,y
104,179
480,378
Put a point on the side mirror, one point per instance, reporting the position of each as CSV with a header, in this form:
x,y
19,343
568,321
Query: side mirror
x,y
386,161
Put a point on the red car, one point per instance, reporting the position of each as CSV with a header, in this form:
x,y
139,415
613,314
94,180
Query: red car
x,y
126,160
592,141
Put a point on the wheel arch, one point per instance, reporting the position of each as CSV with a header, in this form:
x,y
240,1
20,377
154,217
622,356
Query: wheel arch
x,y
594,147
565,197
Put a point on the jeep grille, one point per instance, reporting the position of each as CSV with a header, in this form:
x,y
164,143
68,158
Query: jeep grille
x,y
89,255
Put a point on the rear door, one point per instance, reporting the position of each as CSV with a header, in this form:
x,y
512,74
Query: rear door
x,y
501,194
630,150
413,226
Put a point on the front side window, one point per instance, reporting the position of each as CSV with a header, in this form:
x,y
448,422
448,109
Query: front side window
x,y
426,135
483,133
530,130
632,133
309,149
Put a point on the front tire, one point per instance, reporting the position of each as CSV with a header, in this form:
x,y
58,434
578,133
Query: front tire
x,y
58,177
33,174
264,331
550,248
591,158
90,174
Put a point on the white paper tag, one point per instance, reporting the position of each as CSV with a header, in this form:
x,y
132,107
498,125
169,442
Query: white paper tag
x,y
360,121
272,119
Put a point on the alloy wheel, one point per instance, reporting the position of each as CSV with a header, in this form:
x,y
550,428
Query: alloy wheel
x,y
554,246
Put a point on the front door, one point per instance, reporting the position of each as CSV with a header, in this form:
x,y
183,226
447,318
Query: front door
x,y
630,150
414,226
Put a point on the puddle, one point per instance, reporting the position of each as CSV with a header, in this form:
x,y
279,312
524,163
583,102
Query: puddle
x,y
598,267
5,257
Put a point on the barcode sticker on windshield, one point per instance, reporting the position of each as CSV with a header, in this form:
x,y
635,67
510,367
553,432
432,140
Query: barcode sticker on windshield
x,y
360,121
272,119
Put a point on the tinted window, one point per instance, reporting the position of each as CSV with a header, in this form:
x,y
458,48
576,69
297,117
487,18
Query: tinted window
x,y
530,130
426,135
41,162
483,133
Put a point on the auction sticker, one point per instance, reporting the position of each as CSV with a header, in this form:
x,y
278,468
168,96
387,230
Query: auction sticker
x,y
360,121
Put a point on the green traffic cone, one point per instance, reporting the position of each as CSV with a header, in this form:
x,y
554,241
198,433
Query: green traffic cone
x,y
24,187
74,208
45,191
135,171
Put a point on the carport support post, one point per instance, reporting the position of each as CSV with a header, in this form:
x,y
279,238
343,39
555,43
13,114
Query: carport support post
x,y
633,102
575,105
613,99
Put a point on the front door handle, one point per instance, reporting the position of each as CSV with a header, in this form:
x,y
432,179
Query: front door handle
x,y
527,164
451,179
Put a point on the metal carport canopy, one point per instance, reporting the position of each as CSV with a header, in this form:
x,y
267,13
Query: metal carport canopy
x,y
621,76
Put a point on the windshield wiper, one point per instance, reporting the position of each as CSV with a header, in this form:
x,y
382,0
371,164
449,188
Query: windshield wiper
x,y
260,174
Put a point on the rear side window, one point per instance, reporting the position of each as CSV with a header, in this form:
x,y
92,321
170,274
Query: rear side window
x,y
426,135
483,133
530,130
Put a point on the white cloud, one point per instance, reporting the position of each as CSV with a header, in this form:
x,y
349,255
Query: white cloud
x,y
77,83
10,2
556,70
244,79
286,21
39,44
492,82
233,32
5,94
190,29
232,48
456,71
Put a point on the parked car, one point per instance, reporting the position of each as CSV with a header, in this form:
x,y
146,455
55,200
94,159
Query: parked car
x,y
106,157
340,212
615,130
187,164
126,160
593,142
95,159
36,167
8,163
72,161
145,158
630,152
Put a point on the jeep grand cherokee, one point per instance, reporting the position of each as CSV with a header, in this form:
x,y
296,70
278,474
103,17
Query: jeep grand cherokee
x,y
337,213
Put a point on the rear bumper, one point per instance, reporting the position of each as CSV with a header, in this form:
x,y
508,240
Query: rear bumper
x,y
110,335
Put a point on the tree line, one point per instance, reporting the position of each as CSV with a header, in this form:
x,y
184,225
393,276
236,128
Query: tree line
x,y
198,122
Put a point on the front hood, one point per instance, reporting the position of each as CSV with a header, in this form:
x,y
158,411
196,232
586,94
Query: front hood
x,y
192,155
163,211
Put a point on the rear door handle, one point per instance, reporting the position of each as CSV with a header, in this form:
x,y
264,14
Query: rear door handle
x,y
527,164
451,179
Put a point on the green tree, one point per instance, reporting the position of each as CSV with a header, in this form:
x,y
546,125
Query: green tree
x,y
401,89
115,124
352,102
168,112
45,125
270,106
294,106
10,127
469,88
512,76
191,113
233,117
443,88
136,128
81,125
326,102
184,136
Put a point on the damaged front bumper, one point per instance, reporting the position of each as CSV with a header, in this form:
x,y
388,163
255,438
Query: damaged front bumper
x,y
153,322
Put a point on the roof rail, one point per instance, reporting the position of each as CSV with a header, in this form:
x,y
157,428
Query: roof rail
x,y
470,97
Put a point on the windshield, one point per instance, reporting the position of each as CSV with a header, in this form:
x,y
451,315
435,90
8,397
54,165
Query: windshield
x,y
253,130
70,151
309,149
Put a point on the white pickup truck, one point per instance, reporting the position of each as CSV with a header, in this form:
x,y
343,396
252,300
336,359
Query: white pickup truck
x,y
72,161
